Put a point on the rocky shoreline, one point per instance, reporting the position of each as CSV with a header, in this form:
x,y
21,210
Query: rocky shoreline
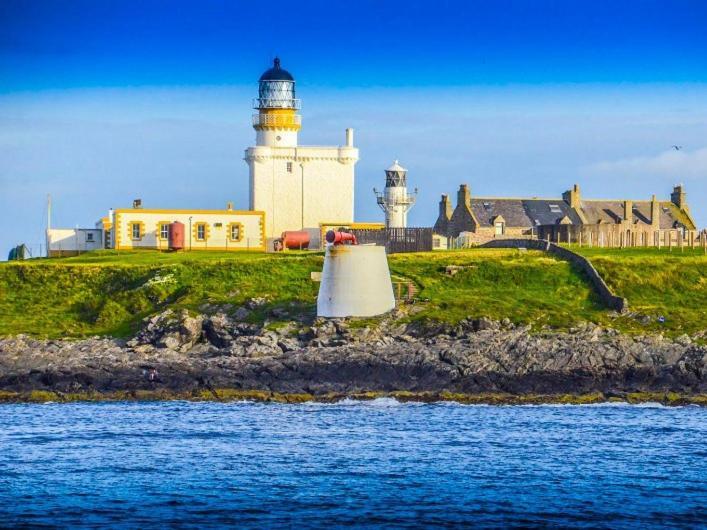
x,y
220,356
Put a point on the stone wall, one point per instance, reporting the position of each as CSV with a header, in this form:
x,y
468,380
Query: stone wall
x,y
484,235
605,294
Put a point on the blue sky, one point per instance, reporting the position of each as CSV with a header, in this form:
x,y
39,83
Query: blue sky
x,y
105,101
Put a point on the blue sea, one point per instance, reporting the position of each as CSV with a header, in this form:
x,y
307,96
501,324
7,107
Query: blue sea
x,y
375,464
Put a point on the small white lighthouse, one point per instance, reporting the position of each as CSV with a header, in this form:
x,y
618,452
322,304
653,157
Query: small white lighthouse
x,y
394,200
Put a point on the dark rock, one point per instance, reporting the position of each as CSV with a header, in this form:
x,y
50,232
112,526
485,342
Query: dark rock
x,y
217,330
475,356
241,313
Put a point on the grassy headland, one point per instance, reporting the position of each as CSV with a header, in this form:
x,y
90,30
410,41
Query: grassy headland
x,y
109,292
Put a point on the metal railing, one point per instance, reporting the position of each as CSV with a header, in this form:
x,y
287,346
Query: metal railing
x,y
403,200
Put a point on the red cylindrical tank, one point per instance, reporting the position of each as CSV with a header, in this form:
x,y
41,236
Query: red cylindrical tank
x,y
339,238
295,239
176,235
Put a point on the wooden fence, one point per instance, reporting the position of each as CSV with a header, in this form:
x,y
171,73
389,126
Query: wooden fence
x,y
615,236
396,239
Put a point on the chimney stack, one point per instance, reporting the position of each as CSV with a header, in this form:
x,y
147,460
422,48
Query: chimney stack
x,y
464,196
678,197
628,211
572,197
655,213
445,207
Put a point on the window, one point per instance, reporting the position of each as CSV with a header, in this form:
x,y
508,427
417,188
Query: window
x,y
135,230
289,167
555,208
89,237
200,231
235,232
499,228
164,230
488,205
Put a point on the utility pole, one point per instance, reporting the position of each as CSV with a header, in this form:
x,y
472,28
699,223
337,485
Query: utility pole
x,y
302,193
49,220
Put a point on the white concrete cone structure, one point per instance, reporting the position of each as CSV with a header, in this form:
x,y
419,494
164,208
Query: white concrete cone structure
x,y
355,282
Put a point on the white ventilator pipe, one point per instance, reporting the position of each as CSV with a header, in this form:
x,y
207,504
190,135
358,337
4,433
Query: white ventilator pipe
x,y
355,282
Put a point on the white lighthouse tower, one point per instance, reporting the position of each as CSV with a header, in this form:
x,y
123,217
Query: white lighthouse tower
x,y
394,200
298,187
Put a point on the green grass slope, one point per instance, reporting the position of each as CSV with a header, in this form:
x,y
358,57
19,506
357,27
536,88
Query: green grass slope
x,y
109,292
672,284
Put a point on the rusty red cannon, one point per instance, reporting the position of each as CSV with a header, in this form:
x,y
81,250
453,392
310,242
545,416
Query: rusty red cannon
x,y
340,238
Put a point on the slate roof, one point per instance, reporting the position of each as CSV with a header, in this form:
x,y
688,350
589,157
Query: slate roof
x,y
613,212
541,213
523,213
527,213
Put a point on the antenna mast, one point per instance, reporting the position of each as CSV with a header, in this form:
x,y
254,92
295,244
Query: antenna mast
x,y
49,220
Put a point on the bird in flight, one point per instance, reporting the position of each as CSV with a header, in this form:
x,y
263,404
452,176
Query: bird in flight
x,y
677,147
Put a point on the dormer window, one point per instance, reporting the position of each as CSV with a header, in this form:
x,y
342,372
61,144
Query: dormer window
x,y
499,225
555,208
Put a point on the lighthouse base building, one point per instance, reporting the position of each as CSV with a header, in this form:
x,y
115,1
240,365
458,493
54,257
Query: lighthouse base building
x,y
303,188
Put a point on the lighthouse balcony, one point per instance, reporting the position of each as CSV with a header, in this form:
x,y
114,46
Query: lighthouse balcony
x,y
405,200
277,120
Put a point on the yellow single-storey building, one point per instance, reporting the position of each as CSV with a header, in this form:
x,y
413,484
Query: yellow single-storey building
x,y
138,228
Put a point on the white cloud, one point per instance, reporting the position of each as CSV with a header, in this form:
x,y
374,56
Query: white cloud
x,y
677,164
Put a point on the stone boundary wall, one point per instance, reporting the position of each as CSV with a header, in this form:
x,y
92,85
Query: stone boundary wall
x,y
605,294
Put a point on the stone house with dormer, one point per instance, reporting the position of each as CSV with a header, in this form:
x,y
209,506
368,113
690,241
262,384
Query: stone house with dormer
x,y
571,218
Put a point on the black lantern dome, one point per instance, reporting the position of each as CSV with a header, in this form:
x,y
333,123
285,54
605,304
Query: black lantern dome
x,y
276,73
